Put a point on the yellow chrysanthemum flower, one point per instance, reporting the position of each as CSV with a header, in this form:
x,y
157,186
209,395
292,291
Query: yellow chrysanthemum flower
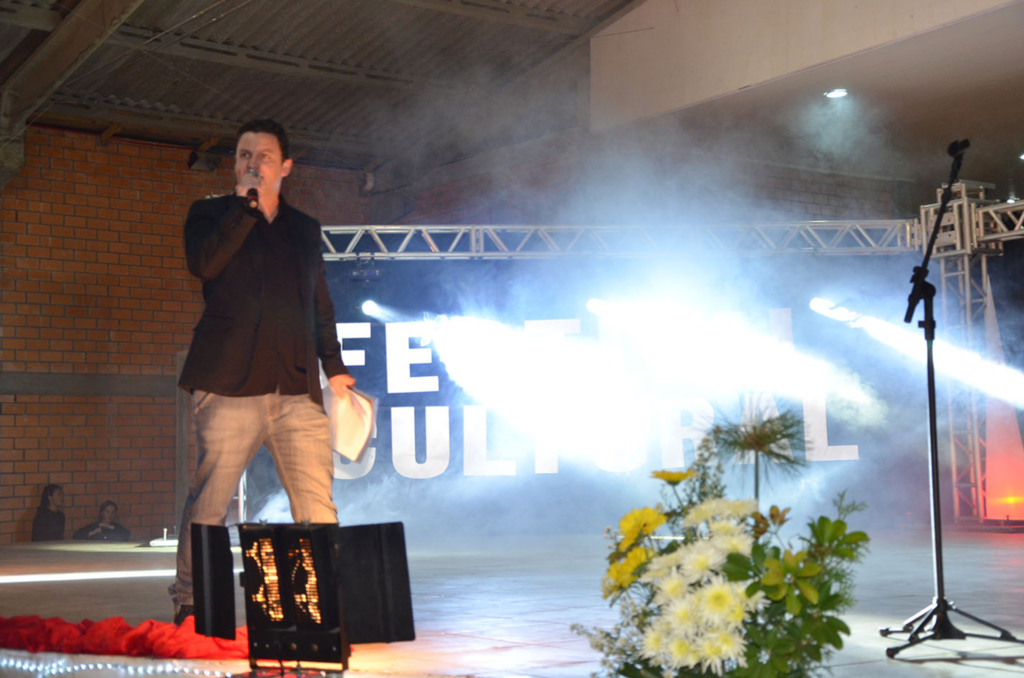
x,y
672,477
622,573
637,523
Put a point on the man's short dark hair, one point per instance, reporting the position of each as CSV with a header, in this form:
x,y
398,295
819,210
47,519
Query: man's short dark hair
x,y
267,126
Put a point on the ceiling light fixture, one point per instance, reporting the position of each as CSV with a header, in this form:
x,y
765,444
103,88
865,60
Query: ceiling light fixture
x,y
837,93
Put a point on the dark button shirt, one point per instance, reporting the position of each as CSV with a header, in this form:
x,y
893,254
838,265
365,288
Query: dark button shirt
x,y
279,358
47,525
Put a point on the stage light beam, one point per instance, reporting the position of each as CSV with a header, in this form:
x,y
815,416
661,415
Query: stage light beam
x,y
965,366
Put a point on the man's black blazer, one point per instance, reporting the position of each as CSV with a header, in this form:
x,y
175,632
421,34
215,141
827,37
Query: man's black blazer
x,y
223,342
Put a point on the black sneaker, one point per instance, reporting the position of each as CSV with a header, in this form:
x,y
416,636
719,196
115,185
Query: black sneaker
x,y
181,612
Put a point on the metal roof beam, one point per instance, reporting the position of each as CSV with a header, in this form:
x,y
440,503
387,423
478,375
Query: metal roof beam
x,y
32,18
75,38
137,119
254,59
495,10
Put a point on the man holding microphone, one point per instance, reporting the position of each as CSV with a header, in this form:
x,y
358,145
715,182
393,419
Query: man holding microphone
x,y
252,368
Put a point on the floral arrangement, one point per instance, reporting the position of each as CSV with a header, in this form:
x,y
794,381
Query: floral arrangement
x,y
707,585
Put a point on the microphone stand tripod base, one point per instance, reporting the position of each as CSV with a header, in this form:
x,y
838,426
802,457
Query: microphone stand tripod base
x,y
933,623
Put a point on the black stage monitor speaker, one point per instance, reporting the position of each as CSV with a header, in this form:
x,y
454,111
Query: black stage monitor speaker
x,y
213,581
375,583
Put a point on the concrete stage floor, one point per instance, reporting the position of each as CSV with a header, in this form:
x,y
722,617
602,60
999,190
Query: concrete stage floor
x,y
494,607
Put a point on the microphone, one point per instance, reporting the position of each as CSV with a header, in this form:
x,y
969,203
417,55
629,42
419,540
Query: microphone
x,y
252,196
958,147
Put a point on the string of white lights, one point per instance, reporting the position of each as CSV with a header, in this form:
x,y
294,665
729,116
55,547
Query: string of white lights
x,y
18,662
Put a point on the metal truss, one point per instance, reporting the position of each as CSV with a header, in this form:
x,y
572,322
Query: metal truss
x,y
538,242
972,230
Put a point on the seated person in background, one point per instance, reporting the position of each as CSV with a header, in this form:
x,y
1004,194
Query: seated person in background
x,y
48,523
106,528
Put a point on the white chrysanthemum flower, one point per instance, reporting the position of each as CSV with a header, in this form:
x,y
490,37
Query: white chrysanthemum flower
x,y
755,602
683,615
700,560
681,653
669,587
725,528
718,647
740,542
722,603
725,509
655,640
660,567
743,508
700,513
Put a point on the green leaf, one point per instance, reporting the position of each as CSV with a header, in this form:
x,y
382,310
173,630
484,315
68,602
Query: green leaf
x,y
792,603
809,569
838,624
738,567
785,648
856,538
633,671
808,591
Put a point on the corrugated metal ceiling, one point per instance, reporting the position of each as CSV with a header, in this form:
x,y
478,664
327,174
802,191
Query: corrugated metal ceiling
x,y
355,81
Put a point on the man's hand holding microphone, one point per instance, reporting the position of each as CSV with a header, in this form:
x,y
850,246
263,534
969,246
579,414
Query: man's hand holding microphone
x,y
248,188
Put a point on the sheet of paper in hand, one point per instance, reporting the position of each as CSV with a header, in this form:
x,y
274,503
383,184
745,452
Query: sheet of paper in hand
x,y
352,419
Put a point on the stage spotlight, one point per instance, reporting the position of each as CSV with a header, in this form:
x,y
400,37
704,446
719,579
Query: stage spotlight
x,y
837,93
371,308
597,306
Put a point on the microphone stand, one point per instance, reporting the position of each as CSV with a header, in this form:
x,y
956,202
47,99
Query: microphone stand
x,y
933,622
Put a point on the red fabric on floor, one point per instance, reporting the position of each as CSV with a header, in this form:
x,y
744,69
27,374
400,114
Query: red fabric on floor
x,y
115,636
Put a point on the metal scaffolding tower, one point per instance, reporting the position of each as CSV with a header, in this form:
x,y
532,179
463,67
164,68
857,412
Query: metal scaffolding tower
x,y
972,230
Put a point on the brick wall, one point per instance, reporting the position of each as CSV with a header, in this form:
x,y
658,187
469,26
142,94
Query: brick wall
x,y
580,181
808,195
95,305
